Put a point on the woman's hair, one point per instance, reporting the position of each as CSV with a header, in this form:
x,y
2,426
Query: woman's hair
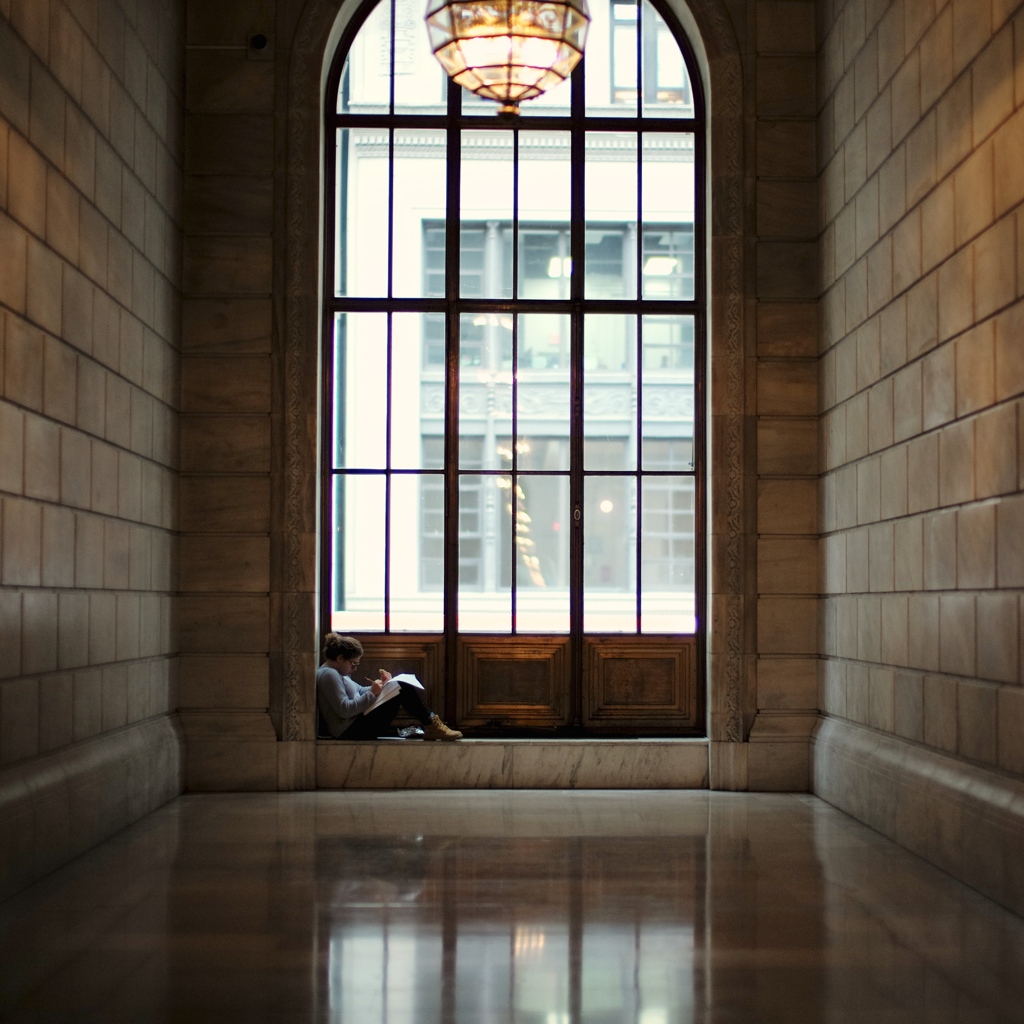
x,y
341,647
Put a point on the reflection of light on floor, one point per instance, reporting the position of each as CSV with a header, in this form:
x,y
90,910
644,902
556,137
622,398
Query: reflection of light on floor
x,y
527,940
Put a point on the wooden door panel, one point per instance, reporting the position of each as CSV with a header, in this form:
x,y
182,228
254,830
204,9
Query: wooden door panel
x,y
645,684
513,682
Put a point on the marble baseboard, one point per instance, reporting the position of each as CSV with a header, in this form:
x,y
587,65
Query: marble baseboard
x,y
960,817
57,806
514,764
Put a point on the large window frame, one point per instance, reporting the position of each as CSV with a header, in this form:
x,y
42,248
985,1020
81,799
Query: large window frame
x,y
452,306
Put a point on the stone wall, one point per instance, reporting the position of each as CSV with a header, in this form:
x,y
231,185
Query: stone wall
x,y
90,208
920,138
227,420
783,379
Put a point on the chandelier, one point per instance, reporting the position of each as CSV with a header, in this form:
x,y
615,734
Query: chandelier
x,y
508,50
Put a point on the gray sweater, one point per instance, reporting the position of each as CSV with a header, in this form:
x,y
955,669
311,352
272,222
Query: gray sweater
x,y
341,699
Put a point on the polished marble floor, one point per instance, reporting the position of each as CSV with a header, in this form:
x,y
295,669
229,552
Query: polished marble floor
x,y
494,907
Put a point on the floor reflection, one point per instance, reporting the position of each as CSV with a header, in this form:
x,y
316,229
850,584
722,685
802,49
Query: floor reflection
x,y
505,908
533,930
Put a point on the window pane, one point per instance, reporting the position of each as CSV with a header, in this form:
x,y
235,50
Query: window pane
x,y
668,261
421,86
609,554
666,84
611,212
610,250
413,607
485,392
487,175
668,205
357,554
542,542
365,86
417,396
362,206
667,552
544,187
611,60
667,383
431,505
544,343
360,382
609,387
485,604
419,200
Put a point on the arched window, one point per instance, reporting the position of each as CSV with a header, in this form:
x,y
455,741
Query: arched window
x,y
513,446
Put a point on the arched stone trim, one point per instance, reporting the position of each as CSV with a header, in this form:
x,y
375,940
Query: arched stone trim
x,y
316,36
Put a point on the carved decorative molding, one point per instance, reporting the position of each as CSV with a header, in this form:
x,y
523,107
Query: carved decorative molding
x,y
298,339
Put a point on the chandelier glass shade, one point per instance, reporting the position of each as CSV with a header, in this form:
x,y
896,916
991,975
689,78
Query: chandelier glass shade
x,y
508,50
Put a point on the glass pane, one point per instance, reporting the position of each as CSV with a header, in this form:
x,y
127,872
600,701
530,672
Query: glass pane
x,y
609,389
611,213
611,60
365,85
667,550
609,554
546,454
668,208
419,209
668,382
431,505
360,384
357,554
542,541
362,208
487,175
421,86
544,344
485,603
414,606
485,391
417,395
665,82
545,266
668,348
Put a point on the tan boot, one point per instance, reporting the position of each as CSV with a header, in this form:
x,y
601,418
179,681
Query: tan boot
x,y
435,729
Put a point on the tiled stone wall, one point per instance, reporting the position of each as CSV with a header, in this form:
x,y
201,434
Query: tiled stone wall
x,y
227,418
921,135
784,381
90,154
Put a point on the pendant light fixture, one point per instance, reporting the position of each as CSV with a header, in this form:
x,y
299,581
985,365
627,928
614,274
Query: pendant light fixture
x,y
508,50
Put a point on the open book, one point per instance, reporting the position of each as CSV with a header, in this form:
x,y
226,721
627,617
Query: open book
x,y
391,688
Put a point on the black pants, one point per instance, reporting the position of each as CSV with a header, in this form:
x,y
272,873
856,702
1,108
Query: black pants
x,y
378,721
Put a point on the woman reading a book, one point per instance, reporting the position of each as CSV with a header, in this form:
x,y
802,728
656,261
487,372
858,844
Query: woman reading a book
x,y
354,711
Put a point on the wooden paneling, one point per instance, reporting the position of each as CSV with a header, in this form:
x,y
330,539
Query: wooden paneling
x,y
643,684
513,682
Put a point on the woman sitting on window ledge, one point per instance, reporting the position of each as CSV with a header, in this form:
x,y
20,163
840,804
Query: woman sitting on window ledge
x,y
344,703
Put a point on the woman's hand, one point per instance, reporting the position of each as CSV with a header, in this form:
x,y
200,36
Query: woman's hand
x,y
385,676
376,686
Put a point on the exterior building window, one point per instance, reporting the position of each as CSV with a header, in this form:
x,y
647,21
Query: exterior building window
x,y
645,57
